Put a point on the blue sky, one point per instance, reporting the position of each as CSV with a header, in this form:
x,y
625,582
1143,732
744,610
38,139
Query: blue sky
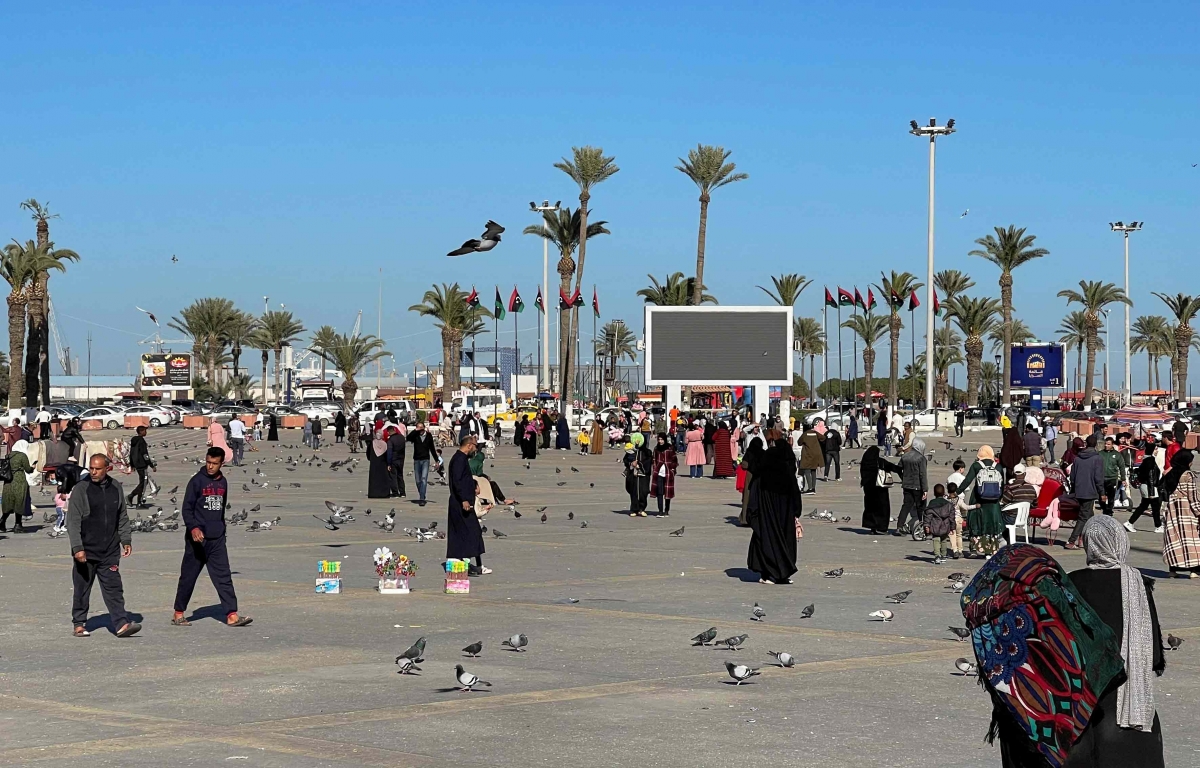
x,y
293,151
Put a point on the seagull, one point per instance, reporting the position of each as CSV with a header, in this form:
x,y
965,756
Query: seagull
x,y
961,632
836,573
900,597
486,242
705,637
758,613
473,649
1174,642
175,259
516,642
406,665
467,680
784,658
885,615
740,672
732,643
808,611
966,666
415,651
964,214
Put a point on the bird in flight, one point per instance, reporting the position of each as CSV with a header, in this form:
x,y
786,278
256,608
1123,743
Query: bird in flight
x,y
964,214
486,242
174,259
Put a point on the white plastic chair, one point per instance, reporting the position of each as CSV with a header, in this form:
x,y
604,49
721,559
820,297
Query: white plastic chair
x,y
1022,521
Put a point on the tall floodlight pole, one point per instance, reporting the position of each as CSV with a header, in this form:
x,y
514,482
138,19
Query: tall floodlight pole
x,y
933,130
542,210
1125,229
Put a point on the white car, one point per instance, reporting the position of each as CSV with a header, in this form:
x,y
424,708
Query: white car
x,y
111,416
830,416
158,416
324,412
929,418
582,418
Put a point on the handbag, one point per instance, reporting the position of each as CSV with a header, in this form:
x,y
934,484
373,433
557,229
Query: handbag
x,y
6,473
883,478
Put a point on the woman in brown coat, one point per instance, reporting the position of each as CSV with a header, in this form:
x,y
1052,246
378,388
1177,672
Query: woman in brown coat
x,y
1181,529
666,462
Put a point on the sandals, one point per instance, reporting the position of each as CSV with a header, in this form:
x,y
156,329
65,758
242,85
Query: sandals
x,y
81,632
180,621
129,630
241,622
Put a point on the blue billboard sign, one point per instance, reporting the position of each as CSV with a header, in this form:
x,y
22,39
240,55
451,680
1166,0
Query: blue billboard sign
x,y
1037,365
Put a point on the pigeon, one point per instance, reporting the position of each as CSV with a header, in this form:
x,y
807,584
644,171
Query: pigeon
x,y
583,524
732,643
406,665
269,524
416,651
516,514
885,615
518,482
542,509
54,533
900,597
705,637
174,259
329,524
173,491
846,519
573,469
473,649
1174,642
561,483
486,242
516,642
957,586
678,531
294,485
964,214
544,518
966,666
807,612
758,613
836,573
740,672
254,526
784,658
337,509
245,488
570,515
961,632
467,680
957,576
558,470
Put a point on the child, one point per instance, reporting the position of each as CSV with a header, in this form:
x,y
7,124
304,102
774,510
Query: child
x,y
60,506
939,523
584,442
962,508
956,534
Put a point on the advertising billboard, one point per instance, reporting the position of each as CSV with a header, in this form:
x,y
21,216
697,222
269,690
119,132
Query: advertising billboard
x,y
173,371
718,345
1037,365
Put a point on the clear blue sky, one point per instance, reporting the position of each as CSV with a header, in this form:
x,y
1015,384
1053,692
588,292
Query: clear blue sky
x,y
293,150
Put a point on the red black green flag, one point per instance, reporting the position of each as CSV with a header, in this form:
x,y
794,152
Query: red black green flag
x,y
515,304
498,309
913,301
566,302
870,300
845,298
473,298
829,302
858,299
595,302
541,305
895,300
937,305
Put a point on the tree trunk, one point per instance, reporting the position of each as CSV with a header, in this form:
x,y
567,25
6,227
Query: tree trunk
x,y
265,359
1157,378
941,380
894,324
1183,339
566,269
43,282
812,380
868,372
349,389
568,382
1006,306
974,348
1089,373
16,348
33,365
278,384
236,352
698,288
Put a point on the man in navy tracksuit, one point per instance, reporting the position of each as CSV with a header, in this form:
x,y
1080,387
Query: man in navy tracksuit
x,y
204,504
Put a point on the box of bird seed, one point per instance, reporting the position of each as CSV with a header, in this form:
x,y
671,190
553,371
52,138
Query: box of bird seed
x,y
329,577
458,580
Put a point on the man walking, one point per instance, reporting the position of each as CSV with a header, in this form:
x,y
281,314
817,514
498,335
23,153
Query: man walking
x,y
139,459
204,504
914,479
423,452
1050,435
396,444
237,439
100,535
1114,473
43,423
1033,446
1087,478
960,420
833,453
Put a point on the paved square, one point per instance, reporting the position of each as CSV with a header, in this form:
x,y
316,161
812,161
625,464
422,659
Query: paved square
x,y
609,677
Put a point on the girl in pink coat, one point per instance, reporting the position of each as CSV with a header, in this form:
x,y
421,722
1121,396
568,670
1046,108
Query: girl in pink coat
x,y
695,451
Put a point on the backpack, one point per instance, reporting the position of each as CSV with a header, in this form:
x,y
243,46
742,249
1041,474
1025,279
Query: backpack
x,y
989,483
1044,655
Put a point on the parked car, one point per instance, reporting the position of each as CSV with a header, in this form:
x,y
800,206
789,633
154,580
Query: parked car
x,y
158,415
406,410
830,416
111,416
324,411
928,417
223,414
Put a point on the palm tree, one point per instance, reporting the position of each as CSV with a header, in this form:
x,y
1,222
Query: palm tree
x,y
447,305
587,168
870,328
322,340
1072,334
39,301
1009,249
239,329
1020,335
947,352
706,167
19,266
899,285
1095,295
1147,334
809,339
975,317
276,330
787,292
614,342
1184,307
561,228
350,354
241,385
987,382
677,291
207,322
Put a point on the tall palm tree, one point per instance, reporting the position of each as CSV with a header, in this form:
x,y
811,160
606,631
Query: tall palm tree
x,y
39,303
322,341
677,291
1009,249
975,317
988,374
587,168
947,352
787,292
809,340
1146,335
899,285
350,354
276,329
1072,334
562,228
241,386
239,329
706,166
1184,307
1020,334
614,342
447,305
869,328
206,321
19,266
1094,295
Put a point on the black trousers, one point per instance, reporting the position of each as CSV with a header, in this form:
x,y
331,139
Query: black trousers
x,y
396,477
1155,507
1087,508
914,505
84,575
140,491
210,553
958,429
834,459
1110,493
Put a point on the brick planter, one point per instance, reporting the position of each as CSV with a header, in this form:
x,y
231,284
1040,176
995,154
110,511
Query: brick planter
x,y
196,422
132,422
93,424
248,419
292,422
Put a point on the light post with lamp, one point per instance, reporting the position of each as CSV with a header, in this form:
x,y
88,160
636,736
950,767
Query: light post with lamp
x,y
1125,229
543,209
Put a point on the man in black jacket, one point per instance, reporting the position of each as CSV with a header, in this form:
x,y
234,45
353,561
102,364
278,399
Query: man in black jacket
x,y
100,535
395,459
833,453
423,451
204,504
139,459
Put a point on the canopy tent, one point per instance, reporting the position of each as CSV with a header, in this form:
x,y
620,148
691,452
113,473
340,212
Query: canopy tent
x,y
1153,393
1142,416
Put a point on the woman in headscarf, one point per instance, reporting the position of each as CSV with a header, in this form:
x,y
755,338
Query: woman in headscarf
x,y
72,437
562,433
695,450
722,453
985,523
529,447
1124,731
379,485
852,432
710,432
638,463
1077,445
216,439
663,481
339,427
272,428
775,506
881,430
1012,451
596,446
1181,535
16,499
877,500
751,458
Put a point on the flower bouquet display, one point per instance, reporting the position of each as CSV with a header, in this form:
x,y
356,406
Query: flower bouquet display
x,y
394,571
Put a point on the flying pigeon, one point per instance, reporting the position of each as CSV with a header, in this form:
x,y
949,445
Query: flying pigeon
x,y
329,524
758,613
1174,642
961,632
678,531
732,643
486,242
966,666
406,665
740,672
542,509
467,680
174,259
473,649
337,509
705,637
808,611
836,573
415,651
516,642
900,597
885,615
784,658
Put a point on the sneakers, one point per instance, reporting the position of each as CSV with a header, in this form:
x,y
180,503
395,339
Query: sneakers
x,y
1159,529
1129,527
957,555
939,561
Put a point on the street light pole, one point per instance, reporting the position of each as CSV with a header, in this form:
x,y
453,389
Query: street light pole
x,y
933,130
1125,229
543,209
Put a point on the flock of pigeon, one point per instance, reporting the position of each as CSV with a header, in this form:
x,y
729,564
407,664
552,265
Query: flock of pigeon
x,y
409,659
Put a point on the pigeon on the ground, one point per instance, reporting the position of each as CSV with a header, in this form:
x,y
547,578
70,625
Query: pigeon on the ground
x,y
900,597
518,482
962,633
784,658
245,488
406,665
516,642
583,524
574,470
486,242
957,576
678,531
732,643
562,483
570,515
740,672
416,651
544,518
836,573
705,637
885,615
957,586
807,612
497,534
173,490
542,509
966,666
473,649
758,613
467,680
1174,642
558,470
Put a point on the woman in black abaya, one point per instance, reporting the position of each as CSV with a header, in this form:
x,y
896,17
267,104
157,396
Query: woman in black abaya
x,y
774,507
273,429
877,504
378,485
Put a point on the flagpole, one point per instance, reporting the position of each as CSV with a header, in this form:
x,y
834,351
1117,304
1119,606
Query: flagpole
x,y
825,331
912,376
496,355
841,376
854,358
535,394
516,387
595,317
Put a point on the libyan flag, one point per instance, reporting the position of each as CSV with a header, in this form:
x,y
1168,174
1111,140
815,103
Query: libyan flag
x,y
515,304
566,302
913,301
829,302
473,298
499,309
541,305
937,305
595,302
845,298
